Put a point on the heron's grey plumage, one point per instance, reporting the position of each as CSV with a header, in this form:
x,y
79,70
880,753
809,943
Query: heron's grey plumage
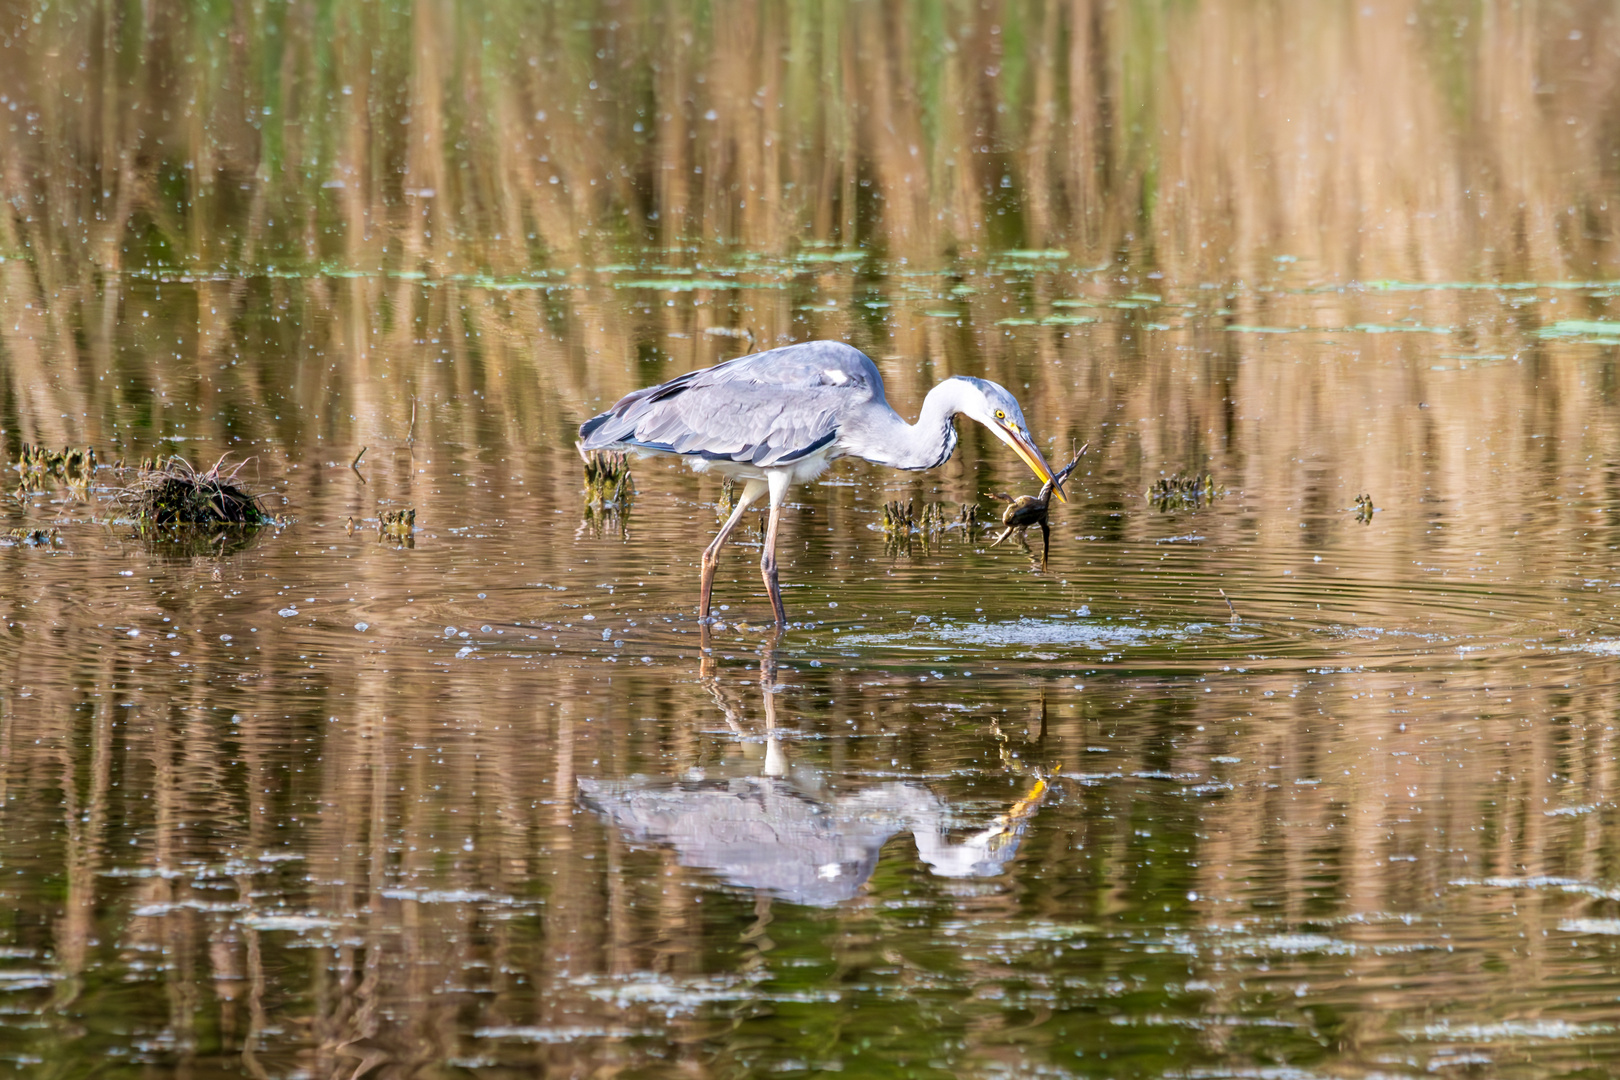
x,y
780,417
771,408
777,408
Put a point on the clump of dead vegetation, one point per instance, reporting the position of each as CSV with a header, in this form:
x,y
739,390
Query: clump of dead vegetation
x,y
608,487
173,494
397,525
1179,492
35,537
39,468
902,523
609,492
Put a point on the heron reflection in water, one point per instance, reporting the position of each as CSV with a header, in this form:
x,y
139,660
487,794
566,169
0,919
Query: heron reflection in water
x,y
779,418
782,835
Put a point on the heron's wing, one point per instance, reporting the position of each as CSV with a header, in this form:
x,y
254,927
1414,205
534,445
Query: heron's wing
x,y
772,408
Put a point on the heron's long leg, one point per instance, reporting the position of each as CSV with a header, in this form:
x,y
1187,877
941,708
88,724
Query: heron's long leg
x,y
767,561
1046,542
751,492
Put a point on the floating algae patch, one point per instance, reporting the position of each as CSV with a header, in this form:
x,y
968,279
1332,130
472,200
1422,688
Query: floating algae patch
x,y
1595,331
808,257
175,495
1359,328
1050,320
1035,255
697,284
1398,328
1492,286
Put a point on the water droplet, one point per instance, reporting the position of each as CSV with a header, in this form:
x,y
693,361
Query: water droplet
x,y
287,612
362,627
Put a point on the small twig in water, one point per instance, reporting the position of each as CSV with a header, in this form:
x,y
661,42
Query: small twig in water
x,y
355,464
1228,600
410,434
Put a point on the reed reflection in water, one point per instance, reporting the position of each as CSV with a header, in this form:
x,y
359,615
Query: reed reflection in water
x,y
1402,140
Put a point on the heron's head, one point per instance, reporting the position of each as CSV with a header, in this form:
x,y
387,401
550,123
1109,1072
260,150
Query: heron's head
x,y
991,405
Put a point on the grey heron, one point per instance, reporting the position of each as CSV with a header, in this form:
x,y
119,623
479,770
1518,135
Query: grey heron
x,y
781,417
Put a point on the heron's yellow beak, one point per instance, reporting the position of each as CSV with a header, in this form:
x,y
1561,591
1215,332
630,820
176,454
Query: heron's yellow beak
x,y
1025,448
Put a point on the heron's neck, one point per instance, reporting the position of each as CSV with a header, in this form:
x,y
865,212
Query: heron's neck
x,y
889,440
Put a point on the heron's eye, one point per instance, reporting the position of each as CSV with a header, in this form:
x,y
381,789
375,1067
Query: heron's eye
x,y
1001,414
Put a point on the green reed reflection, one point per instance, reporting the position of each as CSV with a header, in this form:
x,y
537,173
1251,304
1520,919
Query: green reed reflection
x,y
442,137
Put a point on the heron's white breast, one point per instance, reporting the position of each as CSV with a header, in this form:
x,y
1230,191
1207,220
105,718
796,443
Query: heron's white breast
x,y
802,471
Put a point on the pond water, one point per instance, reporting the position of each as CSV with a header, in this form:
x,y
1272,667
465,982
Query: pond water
x,y
1313,774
